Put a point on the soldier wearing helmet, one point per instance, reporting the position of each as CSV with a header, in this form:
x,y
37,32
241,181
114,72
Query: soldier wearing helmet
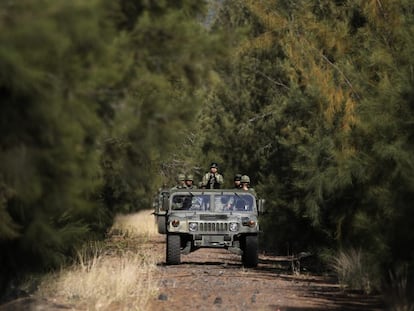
x,y
189,179
245,184
237,181
180,182
212,179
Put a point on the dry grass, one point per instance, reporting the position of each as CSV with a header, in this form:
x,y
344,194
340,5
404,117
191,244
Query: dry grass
x,y
399,294
105,278
141,224
354,271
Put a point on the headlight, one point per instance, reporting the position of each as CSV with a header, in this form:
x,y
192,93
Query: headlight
x,y
251,223
192,226
234,226
248,222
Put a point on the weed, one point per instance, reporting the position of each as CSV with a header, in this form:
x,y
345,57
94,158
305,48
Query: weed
x,y
354,271
109,275
398,292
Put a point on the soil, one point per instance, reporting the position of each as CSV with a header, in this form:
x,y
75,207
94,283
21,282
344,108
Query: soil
x,y
214,279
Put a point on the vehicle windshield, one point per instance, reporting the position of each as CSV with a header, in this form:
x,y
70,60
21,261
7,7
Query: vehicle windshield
x,y
216,202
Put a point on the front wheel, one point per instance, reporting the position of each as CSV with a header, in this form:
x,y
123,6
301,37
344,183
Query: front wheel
x,y
250,257
173,249
162,225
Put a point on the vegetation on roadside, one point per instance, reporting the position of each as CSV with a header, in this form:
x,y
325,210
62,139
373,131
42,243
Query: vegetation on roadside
x,y
90,107
113,274
355,272
316,105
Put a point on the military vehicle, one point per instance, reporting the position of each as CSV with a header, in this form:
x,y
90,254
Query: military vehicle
x,y
212,218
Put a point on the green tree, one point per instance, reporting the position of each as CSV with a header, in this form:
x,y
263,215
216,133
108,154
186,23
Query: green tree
x,y
316,107
49,168
94,98
170,70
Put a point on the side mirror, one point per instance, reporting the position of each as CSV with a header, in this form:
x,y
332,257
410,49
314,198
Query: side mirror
x,y
164,204
261,206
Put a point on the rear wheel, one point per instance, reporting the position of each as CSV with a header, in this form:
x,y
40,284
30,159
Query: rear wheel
x,y
250,257
173,249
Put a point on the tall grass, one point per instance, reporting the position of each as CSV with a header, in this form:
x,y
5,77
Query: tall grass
x,y
355,271
102,278
399,295
141,224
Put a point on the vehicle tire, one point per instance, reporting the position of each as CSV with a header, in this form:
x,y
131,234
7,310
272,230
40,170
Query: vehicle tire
x,y
250,257
162,225
173,249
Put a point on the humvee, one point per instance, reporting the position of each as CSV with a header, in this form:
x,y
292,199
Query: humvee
x,y
212,218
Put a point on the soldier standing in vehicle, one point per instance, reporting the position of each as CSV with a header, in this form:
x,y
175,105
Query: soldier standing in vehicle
x,y
189,179
237,181
245,184
212,179
180,182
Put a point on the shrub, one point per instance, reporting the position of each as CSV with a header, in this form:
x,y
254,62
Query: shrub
x,y
355,271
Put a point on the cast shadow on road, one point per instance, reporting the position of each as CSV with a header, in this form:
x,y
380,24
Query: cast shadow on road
x,y
218,264
319,285
312,285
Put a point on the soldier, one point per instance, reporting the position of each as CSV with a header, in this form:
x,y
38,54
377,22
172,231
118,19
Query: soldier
x,y
237,179
212,179
189,182
180,182
245,184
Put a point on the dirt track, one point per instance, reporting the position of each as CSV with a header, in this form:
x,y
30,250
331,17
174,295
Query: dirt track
x,y
214,279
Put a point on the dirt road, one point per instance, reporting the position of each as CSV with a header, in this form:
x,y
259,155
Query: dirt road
x,y
214,279
208,279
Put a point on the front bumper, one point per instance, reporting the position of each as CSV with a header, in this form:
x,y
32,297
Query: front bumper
x,y
226,240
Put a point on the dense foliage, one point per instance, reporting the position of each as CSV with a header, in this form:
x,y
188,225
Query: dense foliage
x,y
316,105
103,101
94,95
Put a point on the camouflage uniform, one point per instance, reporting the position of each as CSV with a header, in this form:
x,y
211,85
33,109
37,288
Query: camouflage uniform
x,y
237,181
180,182
190,177
245,182
212,179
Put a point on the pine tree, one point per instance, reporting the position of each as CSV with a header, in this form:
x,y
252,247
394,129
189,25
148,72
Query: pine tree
x,y
49,168
95,97
171,57
316,107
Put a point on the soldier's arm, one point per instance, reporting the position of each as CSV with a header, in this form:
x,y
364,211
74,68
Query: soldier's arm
x,y
205,179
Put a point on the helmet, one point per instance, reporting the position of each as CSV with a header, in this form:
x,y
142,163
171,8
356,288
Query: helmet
x,y
189,177
213,164
237,177
180,177
245,178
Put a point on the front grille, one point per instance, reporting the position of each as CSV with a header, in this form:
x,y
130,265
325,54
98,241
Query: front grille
x,y
213,217
213,227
